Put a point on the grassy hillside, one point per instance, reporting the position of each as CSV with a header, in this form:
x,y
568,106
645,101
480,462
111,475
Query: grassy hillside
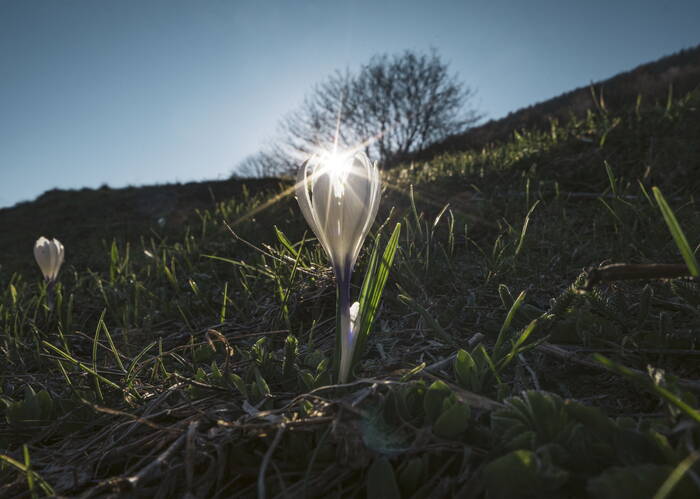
x,y
676,74
88,220
194,359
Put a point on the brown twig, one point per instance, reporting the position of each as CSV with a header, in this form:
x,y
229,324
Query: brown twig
x,y
266,461
624,272
130,483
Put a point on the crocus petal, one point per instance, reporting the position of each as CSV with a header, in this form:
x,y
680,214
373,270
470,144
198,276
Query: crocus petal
x,y
302,194
53,259
354,309
325,211
42,256
307,206
356,209
60,257
370,202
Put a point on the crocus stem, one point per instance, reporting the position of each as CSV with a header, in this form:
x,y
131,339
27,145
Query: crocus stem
x,y
49,294
346,337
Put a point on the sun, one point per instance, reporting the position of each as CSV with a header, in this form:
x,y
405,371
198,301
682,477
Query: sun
x,y
337,166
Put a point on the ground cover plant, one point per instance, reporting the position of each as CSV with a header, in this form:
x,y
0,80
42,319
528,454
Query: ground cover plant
x,y
194,359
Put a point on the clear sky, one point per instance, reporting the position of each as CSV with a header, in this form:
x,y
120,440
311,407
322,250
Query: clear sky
x,y
130,92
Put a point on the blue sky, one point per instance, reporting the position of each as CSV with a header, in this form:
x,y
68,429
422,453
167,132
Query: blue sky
x,y
136,92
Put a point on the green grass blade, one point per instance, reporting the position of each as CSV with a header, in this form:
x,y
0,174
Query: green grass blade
x,y
95,342
131,373
677,233
517,346
649,385
112,346
509,319
30,475
81,365
676,476
523,232
373,287
611,178
371,270
222,313
428,318
287,243
43,484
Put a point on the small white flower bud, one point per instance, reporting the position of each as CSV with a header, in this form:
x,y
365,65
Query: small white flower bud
x,y
49,255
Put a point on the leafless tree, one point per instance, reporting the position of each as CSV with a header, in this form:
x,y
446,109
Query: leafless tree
x,y
393,106
268,162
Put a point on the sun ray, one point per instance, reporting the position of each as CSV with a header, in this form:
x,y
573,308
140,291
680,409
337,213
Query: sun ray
x,y
335,159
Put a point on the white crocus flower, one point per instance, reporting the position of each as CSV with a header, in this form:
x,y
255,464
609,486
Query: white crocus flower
x,y
49,255
339,197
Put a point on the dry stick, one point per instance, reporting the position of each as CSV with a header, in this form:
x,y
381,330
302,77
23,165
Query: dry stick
x,y
476,338
436,366
146,473
533,375
189,454
624,271
156,464
266,461
564,354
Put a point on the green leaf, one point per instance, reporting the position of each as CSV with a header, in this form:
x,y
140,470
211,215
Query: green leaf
x,y
411,476
216,373
45,405
531,420
452,421
291,350
677,233
505,295
200,375
239,384
433,400
521,474
263,387
381,482
410,399
591,417
465,368
308,379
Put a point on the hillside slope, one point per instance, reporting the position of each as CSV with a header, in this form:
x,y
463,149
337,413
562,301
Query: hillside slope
x,y
87,220
678,73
